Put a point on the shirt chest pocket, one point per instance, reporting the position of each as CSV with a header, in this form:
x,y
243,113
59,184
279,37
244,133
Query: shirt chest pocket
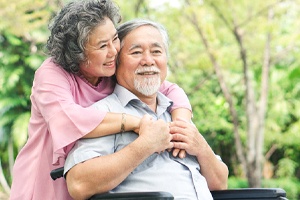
x,y
123,139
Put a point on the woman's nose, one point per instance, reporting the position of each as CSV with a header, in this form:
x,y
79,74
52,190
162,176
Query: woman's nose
x,y
113,49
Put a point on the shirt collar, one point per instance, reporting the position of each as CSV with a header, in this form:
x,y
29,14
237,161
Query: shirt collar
x,y
125,96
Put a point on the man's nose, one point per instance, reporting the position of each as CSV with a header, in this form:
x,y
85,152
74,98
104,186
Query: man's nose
x,y
147,59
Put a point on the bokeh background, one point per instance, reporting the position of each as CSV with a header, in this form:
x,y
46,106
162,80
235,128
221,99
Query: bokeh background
x,y
237,60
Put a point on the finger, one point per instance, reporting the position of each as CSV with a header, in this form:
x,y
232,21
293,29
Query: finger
x,y
179,145
181,124
178,130
171,145
177,137
175,152
182,153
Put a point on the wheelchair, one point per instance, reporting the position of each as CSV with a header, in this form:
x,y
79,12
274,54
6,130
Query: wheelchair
x,y
230,194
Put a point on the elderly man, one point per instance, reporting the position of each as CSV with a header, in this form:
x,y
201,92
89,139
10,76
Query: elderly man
x,y
127,161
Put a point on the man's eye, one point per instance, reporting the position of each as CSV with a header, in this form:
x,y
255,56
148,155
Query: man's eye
x,y
136,52
157,52
116,38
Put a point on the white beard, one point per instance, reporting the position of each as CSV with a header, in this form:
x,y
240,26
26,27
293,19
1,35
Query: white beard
x,y
147,86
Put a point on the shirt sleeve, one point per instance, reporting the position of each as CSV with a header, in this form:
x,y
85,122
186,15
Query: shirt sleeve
x,y
66,119
86,149
176,94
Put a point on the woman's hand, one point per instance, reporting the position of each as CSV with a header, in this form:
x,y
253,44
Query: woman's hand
x,y
131,123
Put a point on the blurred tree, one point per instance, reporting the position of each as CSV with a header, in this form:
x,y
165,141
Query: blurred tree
x,y
242,24
27,18
231,55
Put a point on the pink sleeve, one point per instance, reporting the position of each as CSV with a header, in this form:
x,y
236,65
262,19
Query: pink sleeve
x,y
63,108
176,94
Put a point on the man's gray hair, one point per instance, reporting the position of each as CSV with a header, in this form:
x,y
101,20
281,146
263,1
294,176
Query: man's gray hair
x,y
125,28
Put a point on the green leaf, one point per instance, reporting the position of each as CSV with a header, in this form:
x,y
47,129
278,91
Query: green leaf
x,y
20,129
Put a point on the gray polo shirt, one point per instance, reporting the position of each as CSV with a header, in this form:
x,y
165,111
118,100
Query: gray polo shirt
x,y
159,172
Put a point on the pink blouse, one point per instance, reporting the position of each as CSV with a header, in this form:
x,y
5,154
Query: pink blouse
x,y
60,115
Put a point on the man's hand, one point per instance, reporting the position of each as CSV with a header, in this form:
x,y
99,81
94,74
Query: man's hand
x,y
181,153
186,137
156,134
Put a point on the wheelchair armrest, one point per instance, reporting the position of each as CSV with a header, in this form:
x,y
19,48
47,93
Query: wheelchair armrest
x,y
57,173
134,196
230,194
250,193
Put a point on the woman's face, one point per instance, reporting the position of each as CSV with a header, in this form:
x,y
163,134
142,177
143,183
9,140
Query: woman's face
x,y
101,52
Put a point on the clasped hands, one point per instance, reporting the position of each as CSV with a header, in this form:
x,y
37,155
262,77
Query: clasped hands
x,y
180,136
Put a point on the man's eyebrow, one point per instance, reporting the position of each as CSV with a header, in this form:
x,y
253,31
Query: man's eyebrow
x,y
155,44
134,46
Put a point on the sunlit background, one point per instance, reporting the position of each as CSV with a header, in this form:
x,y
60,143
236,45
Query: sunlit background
x,y
229,56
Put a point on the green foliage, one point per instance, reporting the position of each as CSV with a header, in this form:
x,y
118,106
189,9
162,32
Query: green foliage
x,y
23,34
286,168
18,63
25,18
19,129
290,185
235,182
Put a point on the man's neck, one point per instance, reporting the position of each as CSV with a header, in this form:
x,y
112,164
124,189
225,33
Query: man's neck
x,y
151,101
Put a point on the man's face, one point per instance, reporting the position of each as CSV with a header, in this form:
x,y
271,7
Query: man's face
x,y
143,61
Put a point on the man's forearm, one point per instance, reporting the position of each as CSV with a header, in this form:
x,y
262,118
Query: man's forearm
x,y
214,170
104,173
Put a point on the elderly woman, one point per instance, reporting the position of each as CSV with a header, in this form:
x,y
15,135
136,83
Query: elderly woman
x,y
83,48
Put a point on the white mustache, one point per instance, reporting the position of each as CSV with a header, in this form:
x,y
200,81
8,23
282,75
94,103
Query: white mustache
x,y
147,70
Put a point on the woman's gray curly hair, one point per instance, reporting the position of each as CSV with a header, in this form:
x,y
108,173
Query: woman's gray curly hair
x,y
71,27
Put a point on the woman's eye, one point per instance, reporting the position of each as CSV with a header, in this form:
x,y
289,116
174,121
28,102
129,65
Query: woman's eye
x,y
103,46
